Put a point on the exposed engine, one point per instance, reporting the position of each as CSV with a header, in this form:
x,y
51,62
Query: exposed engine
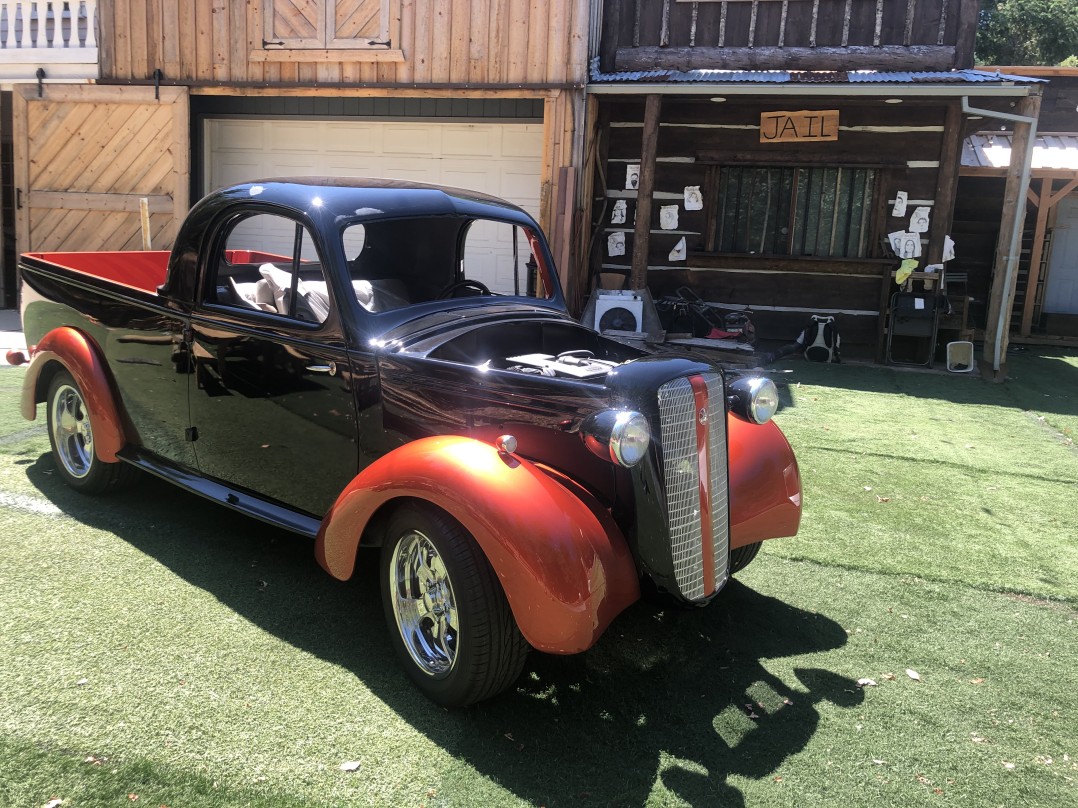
x,y
581,364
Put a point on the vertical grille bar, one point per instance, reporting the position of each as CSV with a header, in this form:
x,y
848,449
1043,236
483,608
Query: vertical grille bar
x,y
720,483
684,428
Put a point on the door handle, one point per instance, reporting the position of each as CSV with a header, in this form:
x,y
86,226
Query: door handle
x,y
331,368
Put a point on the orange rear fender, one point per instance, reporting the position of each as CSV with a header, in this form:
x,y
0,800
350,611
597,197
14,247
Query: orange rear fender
x,y
765,484
562,561
81,357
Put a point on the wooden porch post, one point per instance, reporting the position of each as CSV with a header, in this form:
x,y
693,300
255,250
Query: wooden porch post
x,y
947,182
1043,206
1001,296
638,279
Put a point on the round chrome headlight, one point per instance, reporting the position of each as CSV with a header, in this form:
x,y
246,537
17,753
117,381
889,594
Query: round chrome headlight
x,y
754,398
620,436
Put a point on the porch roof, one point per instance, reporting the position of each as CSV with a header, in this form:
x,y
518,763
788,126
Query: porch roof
x,y
811,82
990,153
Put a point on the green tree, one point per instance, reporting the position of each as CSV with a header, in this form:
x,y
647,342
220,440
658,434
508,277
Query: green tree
x,y
1027,32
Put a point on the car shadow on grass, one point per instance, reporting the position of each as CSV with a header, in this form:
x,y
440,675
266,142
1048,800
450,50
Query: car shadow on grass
x,y
674,699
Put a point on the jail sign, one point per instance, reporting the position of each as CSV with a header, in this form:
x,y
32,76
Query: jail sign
x,y
801,126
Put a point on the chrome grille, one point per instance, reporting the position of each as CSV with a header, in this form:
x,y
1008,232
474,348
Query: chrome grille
x,y
681,472
720,487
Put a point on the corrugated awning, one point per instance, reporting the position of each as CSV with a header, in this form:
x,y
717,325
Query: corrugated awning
x,y
992,151
808,76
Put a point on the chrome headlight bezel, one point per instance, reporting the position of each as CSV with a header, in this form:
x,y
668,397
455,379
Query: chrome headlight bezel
x,y
620,436
754,398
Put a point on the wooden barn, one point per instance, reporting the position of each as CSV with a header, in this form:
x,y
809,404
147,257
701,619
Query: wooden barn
x,y
191,95
786,155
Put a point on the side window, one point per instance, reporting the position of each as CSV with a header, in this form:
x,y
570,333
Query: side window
x,y
269,263
501,257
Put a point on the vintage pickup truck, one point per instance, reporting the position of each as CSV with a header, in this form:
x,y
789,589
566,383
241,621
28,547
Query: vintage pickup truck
x,y
375,363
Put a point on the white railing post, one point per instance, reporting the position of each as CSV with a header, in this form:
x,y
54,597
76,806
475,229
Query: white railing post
x,y
24,24
41,9
7,19
91,23
61,25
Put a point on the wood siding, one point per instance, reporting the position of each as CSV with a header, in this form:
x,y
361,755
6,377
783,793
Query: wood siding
x,y
475,42
902,144
788,34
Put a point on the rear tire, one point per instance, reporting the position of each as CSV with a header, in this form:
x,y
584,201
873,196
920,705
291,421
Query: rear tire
x,y
448,618
742,556
72,439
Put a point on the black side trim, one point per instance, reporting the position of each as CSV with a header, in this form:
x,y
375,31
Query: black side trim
x,y
237,499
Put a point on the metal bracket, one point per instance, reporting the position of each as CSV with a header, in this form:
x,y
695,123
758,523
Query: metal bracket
x,y
268,42
387,44
158,75
40,82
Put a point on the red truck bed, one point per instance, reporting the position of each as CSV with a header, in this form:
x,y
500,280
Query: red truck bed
x,y
138,270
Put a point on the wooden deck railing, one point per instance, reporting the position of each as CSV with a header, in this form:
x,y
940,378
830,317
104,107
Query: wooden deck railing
x,y
57,35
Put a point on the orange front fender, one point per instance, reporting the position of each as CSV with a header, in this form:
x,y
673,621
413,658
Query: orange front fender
x,y
81,357
562,561
765,484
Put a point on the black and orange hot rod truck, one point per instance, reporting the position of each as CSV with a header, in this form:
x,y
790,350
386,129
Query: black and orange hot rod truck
x,y
374,363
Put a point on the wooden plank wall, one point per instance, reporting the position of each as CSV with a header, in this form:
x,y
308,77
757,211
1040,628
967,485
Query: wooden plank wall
x,y
698,136
816,23
475,42
786,34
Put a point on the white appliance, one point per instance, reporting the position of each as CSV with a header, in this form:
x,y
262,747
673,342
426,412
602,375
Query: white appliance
x,y
618,310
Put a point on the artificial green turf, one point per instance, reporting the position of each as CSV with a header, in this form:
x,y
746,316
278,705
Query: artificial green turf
x,y
976,488
220,666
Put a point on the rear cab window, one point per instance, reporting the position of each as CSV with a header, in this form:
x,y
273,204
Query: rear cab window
x,y
270,264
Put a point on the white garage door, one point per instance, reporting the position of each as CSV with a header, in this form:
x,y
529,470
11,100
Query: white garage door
x,y
496,158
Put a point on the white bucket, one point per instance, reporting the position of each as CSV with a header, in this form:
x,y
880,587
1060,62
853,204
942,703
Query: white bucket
x,y
960,357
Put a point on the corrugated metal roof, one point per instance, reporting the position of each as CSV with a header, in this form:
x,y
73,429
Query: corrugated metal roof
x,y
993,150
807,76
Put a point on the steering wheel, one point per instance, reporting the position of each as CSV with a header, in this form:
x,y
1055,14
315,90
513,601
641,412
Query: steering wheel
x,y
459,286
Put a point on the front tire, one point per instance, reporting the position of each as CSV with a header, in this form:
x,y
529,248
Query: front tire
x,y
449,621
741,557
72,439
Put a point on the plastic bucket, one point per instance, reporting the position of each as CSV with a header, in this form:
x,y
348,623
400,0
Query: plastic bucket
x,y
960,357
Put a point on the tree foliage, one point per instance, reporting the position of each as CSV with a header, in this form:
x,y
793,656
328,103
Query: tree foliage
x,y
1027,32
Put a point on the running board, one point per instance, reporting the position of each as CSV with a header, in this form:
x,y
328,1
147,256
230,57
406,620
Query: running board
x,y
236,499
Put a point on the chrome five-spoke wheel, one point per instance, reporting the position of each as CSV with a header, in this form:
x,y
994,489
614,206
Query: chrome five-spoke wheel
x,y
72,436
423,604
449,620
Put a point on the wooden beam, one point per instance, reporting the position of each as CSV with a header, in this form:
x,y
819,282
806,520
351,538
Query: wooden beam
x,y
1037,174
73,200
1058,196
638,278
608,42
946,182
861,57
968,13
801,265
1043,206
1004,282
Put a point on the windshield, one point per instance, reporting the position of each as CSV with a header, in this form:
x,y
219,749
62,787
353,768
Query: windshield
x,y
401,262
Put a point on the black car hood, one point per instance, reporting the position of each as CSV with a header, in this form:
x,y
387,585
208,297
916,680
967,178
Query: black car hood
x,y
446,322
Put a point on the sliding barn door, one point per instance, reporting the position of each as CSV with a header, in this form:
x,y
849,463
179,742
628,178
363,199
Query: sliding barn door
x,y
84,157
